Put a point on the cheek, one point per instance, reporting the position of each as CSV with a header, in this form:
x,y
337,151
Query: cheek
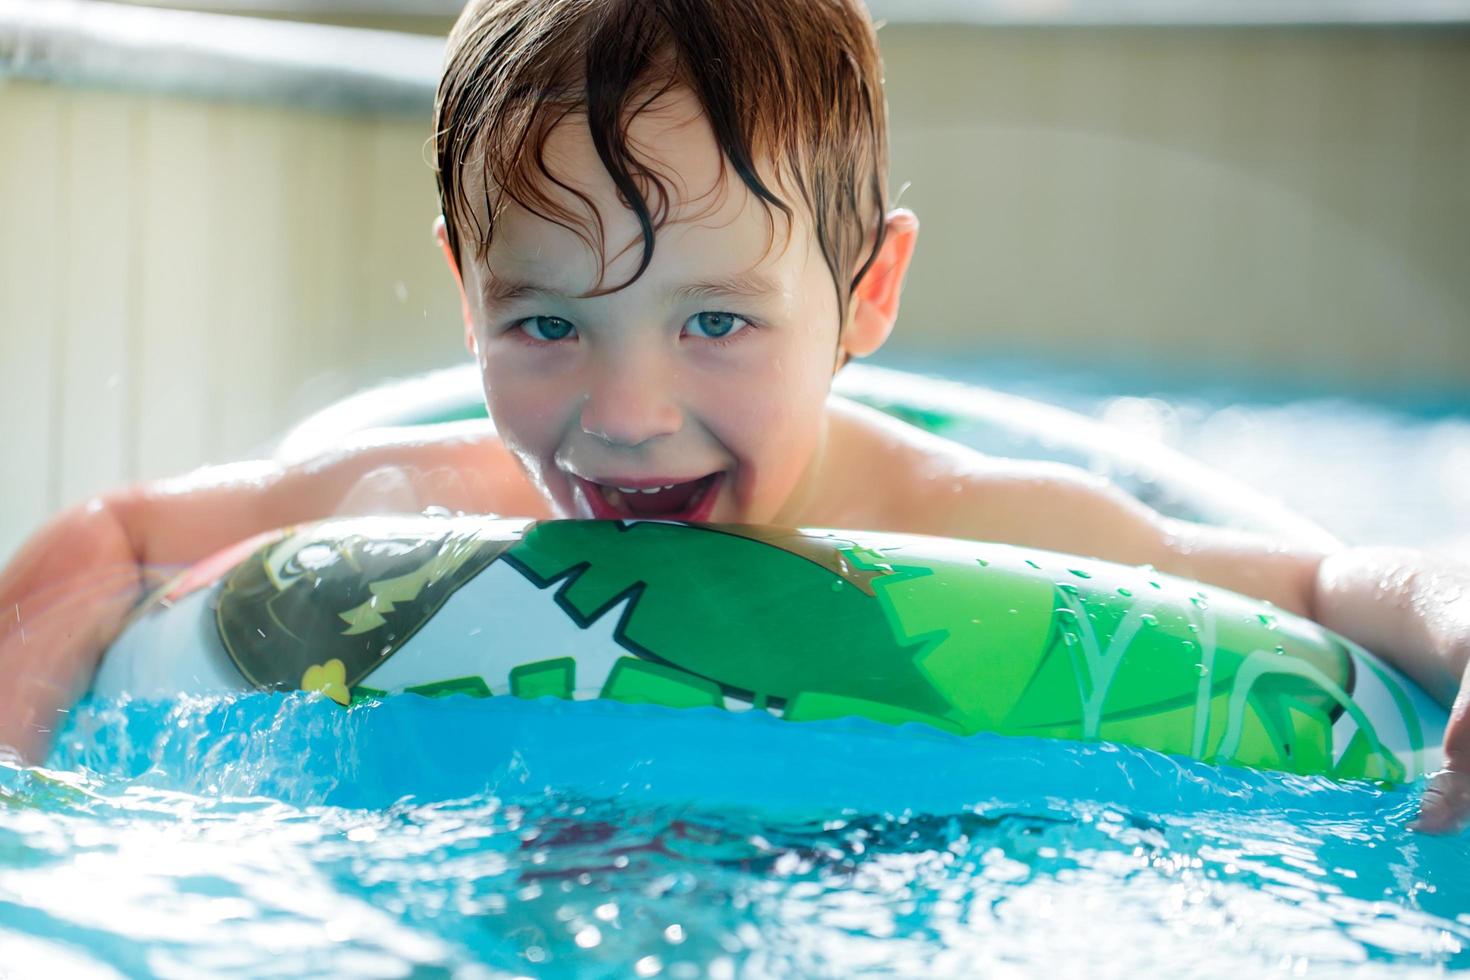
x,y
526,407
770,409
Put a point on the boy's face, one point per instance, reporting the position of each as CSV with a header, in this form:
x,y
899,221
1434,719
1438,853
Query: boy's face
x,y
697,392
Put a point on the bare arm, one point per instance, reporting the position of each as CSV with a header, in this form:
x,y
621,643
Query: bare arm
x,y
67,591
1410,607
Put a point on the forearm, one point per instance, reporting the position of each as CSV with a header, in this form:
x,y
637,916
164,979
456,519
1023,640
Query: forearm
x,y
62,599
1411,608
1407,606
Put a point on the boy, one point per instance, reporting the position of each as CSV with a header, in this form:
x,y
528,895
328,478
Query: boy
x,y
746,140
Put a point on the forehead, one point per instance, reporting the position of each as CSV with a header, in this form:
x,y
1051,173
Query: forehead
x,y
711,222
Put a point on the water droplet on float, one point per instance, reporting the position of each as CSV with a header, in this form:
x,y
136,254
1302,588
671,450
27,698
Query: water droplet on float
x,y
1069,588
1149,619
1199,602
1267,620
1079,573
1124,592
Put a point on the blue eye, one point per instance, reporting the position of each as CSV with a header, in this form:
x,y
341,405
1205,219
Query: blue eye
x,y
715,326
546,328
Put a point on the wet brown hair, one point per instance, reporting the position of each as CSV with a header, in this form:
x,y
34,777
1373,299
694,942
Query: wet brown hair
x,y
797,83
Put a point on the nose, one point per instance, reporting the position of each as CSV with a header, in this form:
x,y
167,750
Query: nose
x,y
629,404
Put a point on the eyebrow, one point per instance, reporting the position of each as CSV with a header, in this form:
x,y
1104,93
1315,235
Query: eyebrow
x,y
748,284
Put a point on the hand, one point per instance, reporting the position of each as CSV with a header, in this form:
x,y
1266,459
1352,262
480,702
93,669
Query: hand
x,y
65,594
1445,808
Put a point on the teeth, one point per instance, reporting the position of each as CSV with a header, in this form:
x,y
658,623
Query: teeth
x,y
646,490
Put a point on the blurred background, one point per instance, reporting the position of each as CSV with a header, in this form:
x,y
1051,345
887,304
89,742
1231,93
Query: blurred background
x,y
215,216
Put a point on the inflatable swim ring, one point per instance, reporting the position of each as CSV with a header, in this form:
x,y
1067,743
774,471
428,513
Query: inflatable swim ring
x,y
806,625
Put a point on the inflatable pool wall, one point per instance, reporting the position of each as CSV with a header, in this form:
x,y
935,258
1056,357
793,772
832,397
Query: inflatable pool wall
x,y
807,625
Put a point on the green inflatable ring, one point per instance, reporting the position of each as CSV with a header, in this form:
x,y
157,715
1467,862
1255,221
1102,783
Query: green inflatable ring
x,y
808,625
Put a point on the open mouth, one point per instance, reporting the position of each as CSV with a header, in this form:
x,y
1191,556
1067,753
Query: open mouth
x,y
687,500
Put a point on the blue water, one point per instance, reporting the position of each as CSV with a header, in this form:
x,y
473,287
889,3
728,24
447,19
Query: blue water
x,y
282,835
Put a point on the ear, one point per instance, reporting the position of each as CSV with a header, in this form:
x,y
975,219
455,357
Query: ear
x,y
441,234
874,307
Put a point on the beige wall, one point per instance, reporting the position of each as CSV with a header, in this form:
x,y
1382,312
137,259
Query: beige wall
x,y
1239,201
179,280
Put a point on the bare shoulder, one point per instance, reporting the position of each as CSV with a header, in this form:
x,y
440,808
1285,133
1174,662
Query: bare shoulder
x,y
931,485
925,484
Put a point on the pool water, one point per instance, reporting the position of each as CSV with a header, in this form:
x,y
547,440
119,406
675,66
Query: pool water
x,y
279,835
